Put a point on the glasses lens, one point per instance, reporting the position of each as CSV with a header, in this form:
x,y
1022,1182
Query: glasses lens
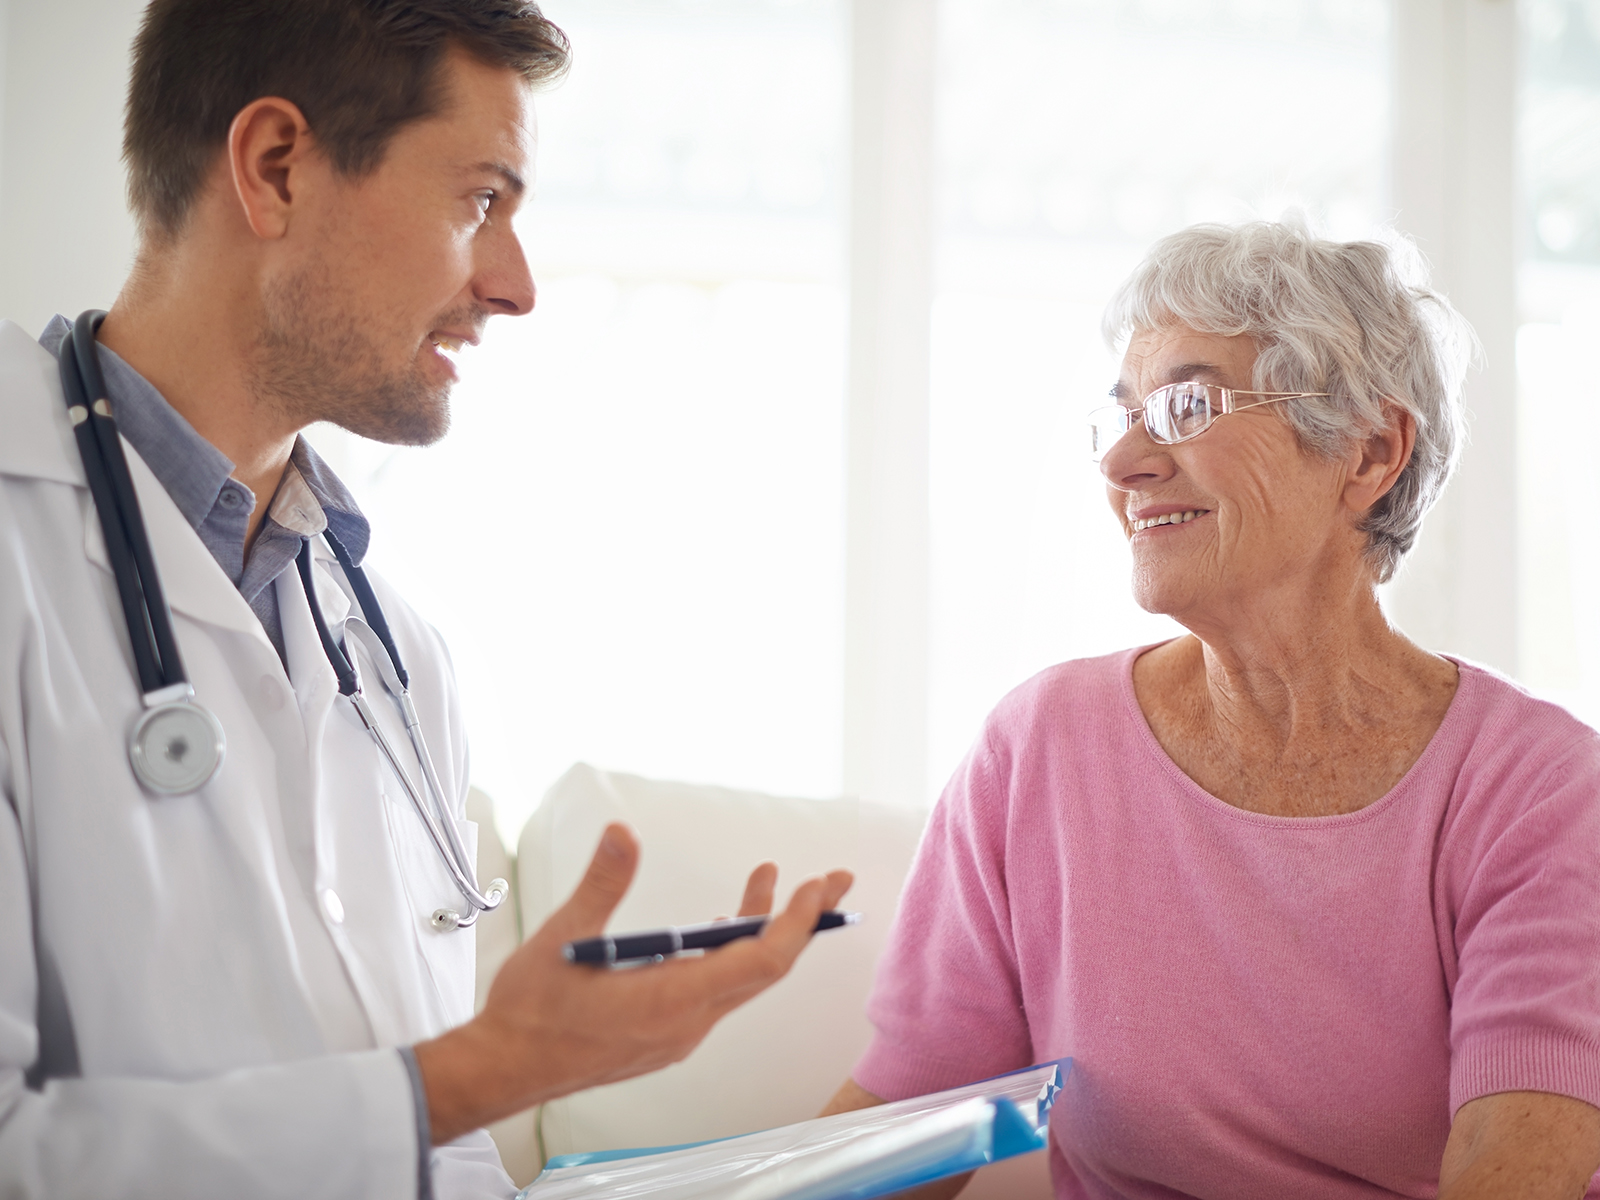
x,y
1106,425
1179,411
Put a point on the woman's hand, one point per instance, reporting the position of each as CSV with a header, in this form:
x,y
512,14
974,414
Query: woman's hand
x,y
1516,1145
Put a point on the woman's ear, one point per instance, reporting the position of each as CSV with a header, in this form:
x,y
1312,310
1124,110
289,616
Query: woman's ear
x,y
268,144
1377,461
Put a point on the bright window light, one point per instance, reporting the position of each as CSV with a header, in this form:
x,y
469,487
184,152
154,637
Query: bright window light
x,y
1558,298
1074,133
632,538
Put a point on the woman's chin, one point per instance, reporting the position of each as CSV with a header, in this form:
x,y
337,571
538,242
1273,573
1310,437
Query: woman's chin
x,y
1164,591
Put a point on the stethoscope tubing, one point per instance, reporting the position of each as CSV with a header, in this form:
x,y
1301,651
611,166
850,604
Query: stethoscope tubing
x,y
155,654
475,900
372,612
431,777
435,817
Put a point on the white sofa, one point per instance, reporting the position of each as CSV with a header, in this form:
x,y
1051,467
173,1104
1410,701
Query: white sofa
x,y
777,1059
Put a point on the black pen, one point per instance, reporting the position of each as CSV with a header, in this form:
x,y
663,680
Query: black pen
x,y
658,943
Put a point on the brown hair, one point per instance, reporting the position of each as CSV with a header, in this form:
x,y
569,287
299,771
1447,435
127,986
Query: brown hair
x,y
358,70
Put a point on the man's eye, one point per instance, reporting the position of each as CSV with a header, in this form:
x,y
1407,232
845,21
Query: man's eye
x,y
484,200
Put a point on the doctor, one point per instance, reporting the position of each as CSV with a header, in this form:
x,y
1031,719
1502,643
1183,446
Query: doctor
x,y
243,990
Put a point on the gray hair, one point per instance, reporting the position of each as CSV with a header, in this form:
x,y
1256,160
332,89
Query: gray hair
x,y
1354,319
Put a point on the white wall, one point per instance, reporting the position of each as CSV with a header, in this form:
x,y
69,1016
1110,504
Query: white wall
x,y
5,18
66,239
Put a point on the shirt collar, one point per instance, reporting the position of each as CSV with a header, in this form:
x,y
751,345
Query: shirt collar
x,y
340,511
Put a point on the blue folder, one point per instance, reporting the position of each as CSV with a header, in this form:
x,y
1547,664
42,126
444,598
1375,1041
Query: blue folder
x,y
851,1156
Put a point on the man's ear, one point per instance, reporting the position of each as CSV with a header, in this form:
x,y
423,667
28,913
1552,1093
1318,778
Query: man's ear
x,y
1377,461
268,144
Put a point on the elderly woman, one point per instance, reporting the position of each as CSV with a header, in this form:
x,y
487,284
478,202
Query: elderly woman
x,y
1316,912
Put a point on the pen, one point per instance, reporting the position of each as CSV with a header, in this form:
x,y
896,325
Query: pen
x,y
658,943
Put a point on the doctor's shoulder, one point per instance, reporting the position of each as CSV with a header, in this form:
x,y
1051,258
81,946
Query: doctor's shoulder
x,y
40,472
35,435
44,566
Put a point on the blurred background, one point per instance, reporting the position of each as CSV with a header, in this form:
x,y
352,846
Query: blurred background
x,y
785,482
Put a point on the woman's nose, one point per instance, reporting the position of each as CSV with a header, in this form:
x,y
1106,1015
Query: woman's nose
x,y
1135,459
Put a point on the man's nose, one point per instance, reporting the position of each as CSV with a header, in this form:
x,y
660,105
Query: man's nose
x,y
505,284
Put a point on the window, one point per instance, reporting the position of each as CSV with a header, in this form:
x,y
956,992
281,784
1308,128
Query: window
x,y
649,571
632,538
1073,133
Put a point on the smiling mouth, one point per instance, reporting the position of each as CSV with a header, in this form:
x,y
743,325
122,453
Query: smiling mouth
x,y
1177,518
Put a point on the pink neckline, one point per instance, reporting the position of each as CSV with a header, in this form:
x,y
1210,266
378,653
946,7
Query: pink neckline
x,y
1468,680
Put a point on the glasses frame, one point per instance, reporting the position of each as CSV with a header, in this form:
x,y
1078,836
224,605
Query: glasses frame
x,y
1229,405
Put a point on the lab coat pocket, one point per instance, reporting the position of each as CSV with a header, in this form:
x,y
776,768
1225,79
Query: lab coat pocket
x,y
450,954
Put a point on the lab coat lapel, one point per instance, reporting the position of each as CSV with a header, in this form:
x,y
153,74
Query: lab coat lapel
x,y
344,774
193,582
316,687
329,579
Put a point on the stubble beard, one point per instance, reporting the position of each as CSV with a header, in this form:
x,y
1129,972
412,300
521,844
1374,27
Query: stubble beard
x,y
315,361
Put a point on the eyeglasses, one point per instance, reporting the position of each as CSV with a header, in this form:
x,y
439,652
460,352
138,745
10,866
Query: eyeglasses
x,y
1175,413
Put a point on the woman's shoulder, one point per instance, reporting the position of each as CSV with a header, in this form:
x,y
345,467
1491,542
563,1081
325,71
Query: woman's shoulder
x,y
1496,711
1505,751
1083,695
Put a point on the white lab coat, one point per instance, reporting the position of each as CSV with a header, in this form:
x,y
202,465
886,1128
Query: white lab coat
x,y
182,1013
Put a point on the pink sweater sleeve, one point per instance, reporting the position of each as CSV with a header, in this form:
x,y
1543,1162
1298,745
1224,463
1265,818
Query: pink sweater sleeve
x,y
1521,883
947,1005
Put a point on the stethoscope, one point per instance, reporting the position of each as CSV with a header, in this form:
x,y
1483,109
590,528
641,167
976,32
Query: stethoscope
x,y
177,745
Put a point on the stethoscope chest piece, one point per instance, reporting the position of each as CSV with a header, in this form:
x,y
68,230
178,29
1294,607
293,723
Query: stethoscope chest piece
x,y
176,748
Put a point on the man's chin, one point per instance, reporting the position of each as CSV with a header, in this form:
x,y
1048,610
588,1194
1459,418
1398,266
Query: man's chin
x,y
400,420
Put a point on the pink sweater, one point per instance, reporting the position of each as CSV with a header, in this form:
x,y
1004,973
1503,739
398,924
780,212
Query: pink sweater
x,y
1257,1006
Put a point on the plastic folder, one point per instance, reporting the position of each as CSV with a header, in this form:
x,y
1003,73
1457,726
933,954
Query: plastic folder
x,y
851,1156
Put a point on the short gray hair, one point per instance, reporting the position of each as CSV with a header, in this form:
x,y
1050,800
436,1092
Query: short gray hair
x,y
1354,319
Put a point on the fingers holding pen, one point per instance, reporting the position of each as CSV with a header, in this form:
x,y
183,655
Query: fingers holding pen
x,y
604,883
592,1025
758,892
790,930
738,971
836,884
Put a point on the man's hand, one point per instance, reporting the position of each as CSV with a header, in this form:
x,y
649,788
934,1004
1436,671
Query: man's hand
x,y
550,1027
1521,1144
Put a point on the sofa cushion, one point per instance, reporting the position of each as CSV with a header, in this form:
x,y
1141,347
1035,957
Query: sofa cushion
x,y
780,1057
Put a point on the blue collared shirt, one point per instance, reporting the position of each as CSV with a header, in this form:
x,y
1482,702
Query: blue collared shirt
x,y
197,476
